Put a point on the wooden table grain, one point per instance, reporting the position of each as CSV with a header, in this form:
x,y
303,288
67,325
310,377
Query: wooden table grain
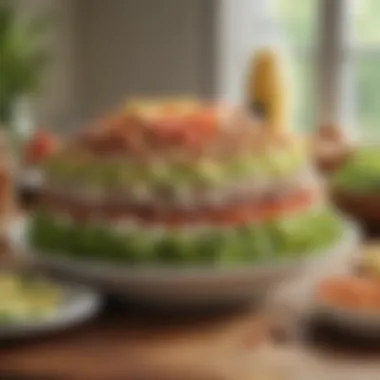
x,y
123,344
128,345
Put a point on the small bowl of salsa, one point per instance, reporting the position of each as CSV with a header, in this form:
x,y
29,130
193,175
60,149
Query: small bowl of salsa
x,y
352,302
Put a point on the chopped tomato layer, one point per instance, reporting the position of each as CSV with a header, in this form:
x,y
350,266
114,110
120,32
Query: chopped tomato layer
x,y
237,214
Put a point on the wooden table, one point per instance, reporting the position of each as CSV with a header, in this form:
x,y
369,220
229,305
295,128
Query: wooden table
x,y
125,344
129,343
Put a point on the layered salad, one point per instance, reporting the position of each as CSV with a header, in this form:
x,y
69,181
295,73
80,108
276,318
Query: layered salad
x,y
181,182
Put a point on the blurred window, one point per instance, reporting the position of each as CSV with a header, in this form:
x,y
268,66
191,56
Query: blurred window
x,y
298,24
361,86
365,53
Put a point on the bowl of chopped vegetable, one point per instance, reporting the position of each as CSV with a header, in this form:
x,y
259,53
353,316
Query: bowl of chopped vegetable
x,y
356,185
350,302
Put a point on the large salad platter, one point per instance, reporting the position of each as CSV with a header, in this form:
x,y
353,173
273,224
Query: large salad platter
x,y
183,201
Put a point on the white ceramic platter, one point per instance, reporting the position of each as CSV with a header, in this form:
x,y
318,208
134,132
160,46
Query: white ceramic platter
x,y
198,285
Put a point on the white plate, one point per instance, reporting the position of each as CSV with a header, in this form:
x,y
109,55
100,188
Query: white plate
x,y
78,305
197,284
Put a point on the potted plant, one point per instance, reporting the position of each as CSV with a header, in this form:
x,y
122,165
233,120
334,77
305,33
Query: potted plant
x,y
22,59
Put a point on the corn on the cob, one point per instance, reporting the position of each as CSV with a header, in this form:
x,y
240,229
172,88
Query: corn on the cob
x,y
268,89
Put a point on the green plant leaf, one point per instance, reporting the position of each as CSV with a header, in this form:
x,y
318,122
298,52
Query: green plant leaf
x,y
22,55
7,15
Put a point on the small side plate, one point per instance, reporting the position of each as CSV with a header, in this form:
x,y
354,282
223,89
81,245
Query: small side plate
x,y
78,305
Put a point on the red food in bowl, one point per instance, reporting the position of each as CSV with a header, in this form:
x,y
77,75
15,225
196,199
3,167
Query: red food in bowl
x,y
351,292
42,145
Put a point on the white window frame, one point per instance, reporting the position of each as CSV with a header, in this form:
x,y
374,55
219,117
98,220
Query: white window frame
x,y
336,68
336,71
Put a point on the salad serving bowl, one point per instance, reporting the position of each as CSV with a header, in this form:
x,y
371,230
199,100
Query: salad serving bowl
x,y
199,285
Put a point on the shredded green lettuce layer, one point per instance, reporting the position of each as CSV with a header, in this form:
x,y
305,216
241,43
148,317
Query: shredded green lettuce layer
x,y
289,237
